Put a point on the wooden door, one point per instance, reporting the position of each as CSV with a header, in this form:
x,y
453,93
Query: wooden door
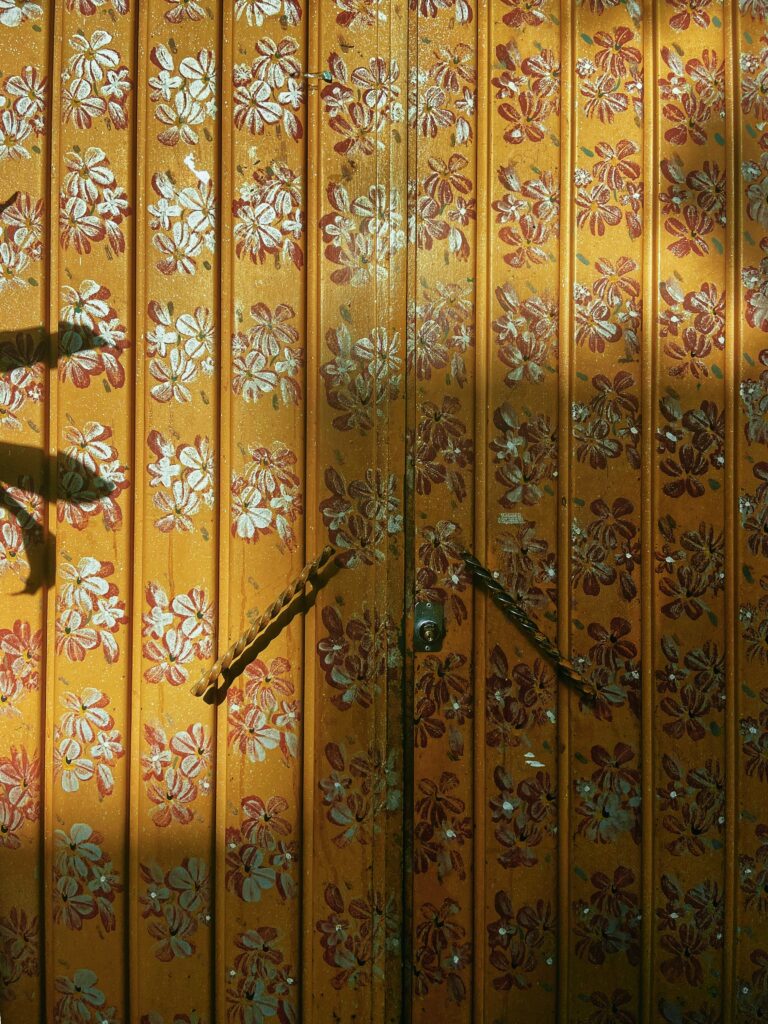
x,y
402,278
589,328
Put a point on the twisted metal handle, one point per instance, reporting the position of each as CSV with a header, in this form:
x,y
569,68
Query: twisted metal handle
x,y
505,601
541,641
224,662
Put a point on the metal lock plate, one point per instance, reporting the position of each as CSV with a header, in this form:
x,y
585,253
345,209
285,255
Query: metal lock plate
x,y
428,626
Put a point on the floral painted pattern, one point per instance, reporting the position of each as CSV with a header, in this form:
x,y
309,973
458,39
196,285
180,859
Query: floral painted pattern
x,y
260,854
91,477
19,949
261,980
23,116
265,495
264,712
174,905
90,611
352,934
184,96
19,794
96,84
183,222
79,998
85,881
267,357
92,205
180,350
92,338
406,280
182,476
176,772
180,631
20,665
87,745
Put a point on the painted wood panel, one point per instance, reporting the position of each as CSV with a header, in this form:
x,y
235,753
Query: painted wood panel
x,y
403,278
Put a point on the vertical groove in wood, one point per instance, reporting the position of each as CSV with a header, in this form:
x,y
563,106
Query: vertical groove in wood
x,y
392,997
648,384
390,713
224,177
313,179
564,383
137,520
380,457
49,675
733,347
396,456
409,540
479,604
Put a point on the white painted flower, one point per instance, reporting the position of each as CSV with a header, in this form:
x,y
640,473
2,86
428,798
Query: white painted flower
x,y
13,131
198,460
249,514
195,611
83,306
29,90
92,57
255,11
72,767
199,75
172,377
109,612
83,584
14,12
201,204
163,471
108,746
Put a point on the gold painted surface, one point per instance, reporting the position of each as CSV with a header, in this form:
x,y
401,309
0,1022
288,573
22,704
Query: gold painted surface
x,y
404,279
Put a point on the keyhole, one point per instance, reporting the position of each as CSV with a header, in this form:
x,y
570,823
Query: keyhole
x,y
429,632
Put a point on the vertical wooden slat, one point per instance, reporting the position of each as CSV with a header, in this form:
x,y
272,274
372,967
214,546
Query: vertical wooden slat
x,y
733,364
691,645
484,157
746,715
225,178
52,447
175,832
443,231
26,52
647,474
410,502
344,733
377,1000
140,171
564,493
262,392
392,702
522,517
606,255
93,291
312,543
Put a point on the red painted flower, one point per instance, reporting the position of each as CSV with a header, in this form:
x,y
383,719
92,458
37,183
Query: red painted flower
x,y
690,232
616,54
595,209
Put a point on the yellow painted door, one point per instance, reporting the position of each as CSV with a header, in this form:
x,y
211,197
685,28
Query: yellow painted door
x,y
406,279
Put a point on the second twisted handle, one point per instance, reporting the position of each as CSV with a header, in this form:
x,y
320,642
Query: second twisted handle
x,y
224,662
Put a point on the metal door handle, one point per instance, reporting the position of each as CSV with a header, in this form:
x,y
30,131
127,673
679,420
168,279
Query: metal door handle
x,y
564,666
240,647
429,630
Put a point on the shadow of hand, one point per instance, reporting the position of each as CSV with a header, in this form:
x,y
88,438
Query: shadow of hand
x,y
28,476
